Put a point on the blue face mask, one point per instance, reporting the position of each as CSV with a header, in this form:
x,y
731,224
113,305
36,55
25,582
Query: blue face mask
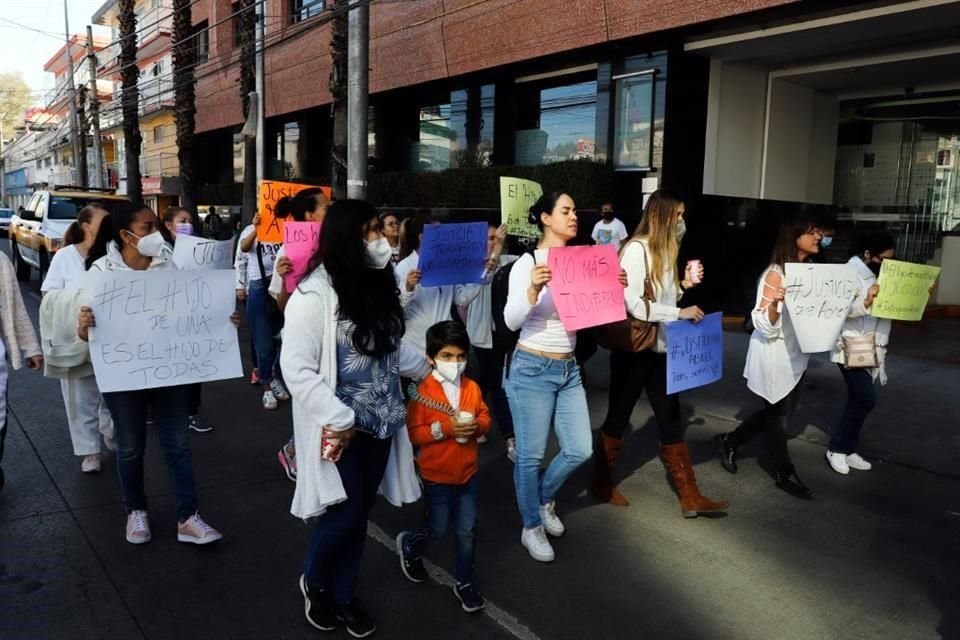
x,y
826,241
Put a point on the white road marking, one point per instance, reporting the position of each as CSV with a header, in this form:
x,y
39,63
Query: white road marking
x,y
509,622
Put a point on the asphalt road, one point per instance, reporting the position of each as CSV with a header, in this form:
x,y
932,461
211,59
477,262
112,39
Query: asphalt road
x,y
875,555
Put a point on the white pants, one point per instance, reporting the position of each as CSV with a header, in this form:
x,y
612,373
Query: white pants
x,y
87,414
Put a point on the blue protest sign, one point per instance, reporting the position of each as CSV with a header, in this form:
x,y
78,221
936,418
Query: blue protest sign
x,y
453,253
694,352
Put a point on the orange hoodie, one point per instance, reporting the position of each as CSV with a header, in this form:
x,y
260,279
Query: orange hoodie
x,y
446,461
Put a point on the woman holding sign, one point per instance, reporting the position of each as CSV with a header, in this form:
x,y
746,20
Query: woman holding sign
x,y
130,240
775,362
651,255
343,358
543,382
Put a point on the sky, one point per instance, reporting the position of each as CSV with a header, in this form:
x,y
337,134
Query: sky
x,y
26,51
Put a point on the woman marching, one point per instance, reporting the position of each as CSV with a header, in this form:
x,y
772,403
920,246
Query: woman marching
x,y
543,381
775,363
652,253
343,358
87,414
129,240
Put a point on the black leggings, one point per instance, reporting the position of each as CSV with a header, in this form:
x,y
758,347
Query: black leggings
x,y
772,421
630,375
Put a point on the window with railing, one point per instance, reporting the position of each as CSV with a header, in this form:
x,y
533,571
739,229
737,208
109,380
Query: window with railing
x,y
302,9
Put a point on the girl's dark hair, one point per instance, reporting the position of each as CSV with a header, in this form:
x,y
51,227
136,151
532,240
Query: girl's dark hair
x,y
74,233
368,297
283,207
120,218
876,243
411,229
544,204
168,215
447,333
791,228
303,202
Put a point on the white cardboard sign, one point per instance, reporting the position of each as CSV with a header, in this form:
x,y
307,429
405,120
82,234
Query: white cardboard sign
x,y
191,253
162,328
818,300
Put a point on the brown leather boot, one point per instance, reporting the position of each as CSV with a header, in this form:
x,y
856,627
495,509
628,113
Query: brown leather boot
x,y
676,457
605,453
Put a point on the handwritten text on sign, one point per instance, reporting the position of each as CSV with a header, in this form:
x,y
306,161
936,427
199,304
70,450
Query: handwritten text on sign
x,y
453,253
191,253
300,241
694,352
271,227
162,328
585,285
516,198
818,300
904,290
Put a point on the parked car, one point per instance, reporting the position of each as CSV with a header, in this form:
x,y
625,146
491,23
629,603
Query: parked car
x,y
36,232
5,215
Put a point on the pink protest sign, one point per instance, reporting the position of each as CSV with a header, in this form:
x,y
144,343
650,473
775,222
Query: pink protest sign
x,y
299,244
585,283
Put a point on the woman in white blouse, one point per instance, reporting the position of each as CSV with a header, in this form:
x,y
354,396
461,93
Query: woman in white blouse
x,y
775,363
543,383
652,252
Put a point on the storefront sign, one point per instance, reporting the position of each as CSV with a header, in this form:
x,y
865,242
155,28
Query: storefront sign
x,y
694,352
818,299
585,283
162,328
516,198
904,290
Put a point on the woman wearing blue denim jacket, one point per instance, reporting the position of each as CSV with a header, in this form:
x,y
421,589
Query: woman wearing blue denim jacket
x,y
543,382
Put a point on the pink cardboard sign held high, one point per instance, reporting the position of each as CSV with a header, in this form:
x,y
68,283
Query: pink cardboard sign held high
x,y
585,283
300,241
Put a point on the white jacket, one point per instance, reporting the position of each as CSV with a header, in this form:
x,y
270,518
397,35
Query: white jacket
x,y
859,322
635,259
65,355
309,363
113,261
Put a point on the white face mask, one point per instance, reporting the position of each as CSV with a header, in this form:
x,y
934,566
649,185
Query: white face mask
x,y
150,245
379,253
681,229
450,370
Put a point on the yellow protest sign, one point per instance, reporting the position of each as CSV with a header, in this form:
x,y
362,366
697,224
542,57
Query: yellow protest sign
x,y
271,227
516,198
904,290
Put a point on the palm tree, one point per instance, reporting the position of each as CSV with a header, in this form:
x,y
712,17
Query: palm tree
x,y
338,91
248,48
130,97
184,58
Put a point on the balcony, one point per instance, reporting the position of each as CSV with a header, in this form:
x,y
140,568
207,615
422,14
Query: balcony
x,y
159,164
155,95
154,31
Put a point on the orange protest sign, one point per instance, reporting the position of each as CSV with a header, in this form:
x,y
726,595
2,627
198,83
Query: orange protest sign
x,y
271,227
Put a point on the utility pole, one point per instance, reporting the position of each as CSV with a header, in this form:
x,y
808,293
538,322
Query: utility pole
x,y
358,86
259,87
79,155
95,114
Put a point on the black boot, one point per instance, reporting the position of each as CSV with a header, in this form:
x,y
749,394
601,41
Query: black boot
x,y
728,452
790,482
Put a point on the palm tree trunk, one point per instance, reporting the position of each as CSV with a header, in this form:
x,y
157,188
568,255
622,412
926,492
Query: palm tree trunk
x,y
184,58
130,98
248,46
338,91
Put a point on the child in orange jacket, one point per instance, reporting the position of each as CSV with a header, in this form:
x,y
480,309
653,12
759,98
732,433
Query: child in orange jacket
x,y
445,416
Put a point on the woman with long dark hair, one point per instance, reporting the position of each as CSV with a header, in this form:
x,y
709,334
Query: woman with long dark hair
x,y
130,240
87,414
342,359
652,253
775,363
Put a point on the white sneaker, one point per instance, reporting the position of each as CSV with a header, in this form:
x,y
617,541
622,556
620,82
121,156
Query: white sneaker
x,y
269,400
512,450
91,463
535,540
138,528
279,390
548,513
838,462
854,461
197,531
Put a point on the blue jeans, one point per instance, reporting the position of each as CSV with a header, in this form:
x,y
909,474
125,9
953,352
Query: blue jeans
x,y
446,502
861,399
264,327
167,407
333,557
490,378
542,393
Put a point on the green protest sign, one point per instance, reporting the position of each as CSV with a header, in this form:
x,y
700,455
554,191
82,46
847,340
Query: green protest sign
x,y
516,198
904,290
